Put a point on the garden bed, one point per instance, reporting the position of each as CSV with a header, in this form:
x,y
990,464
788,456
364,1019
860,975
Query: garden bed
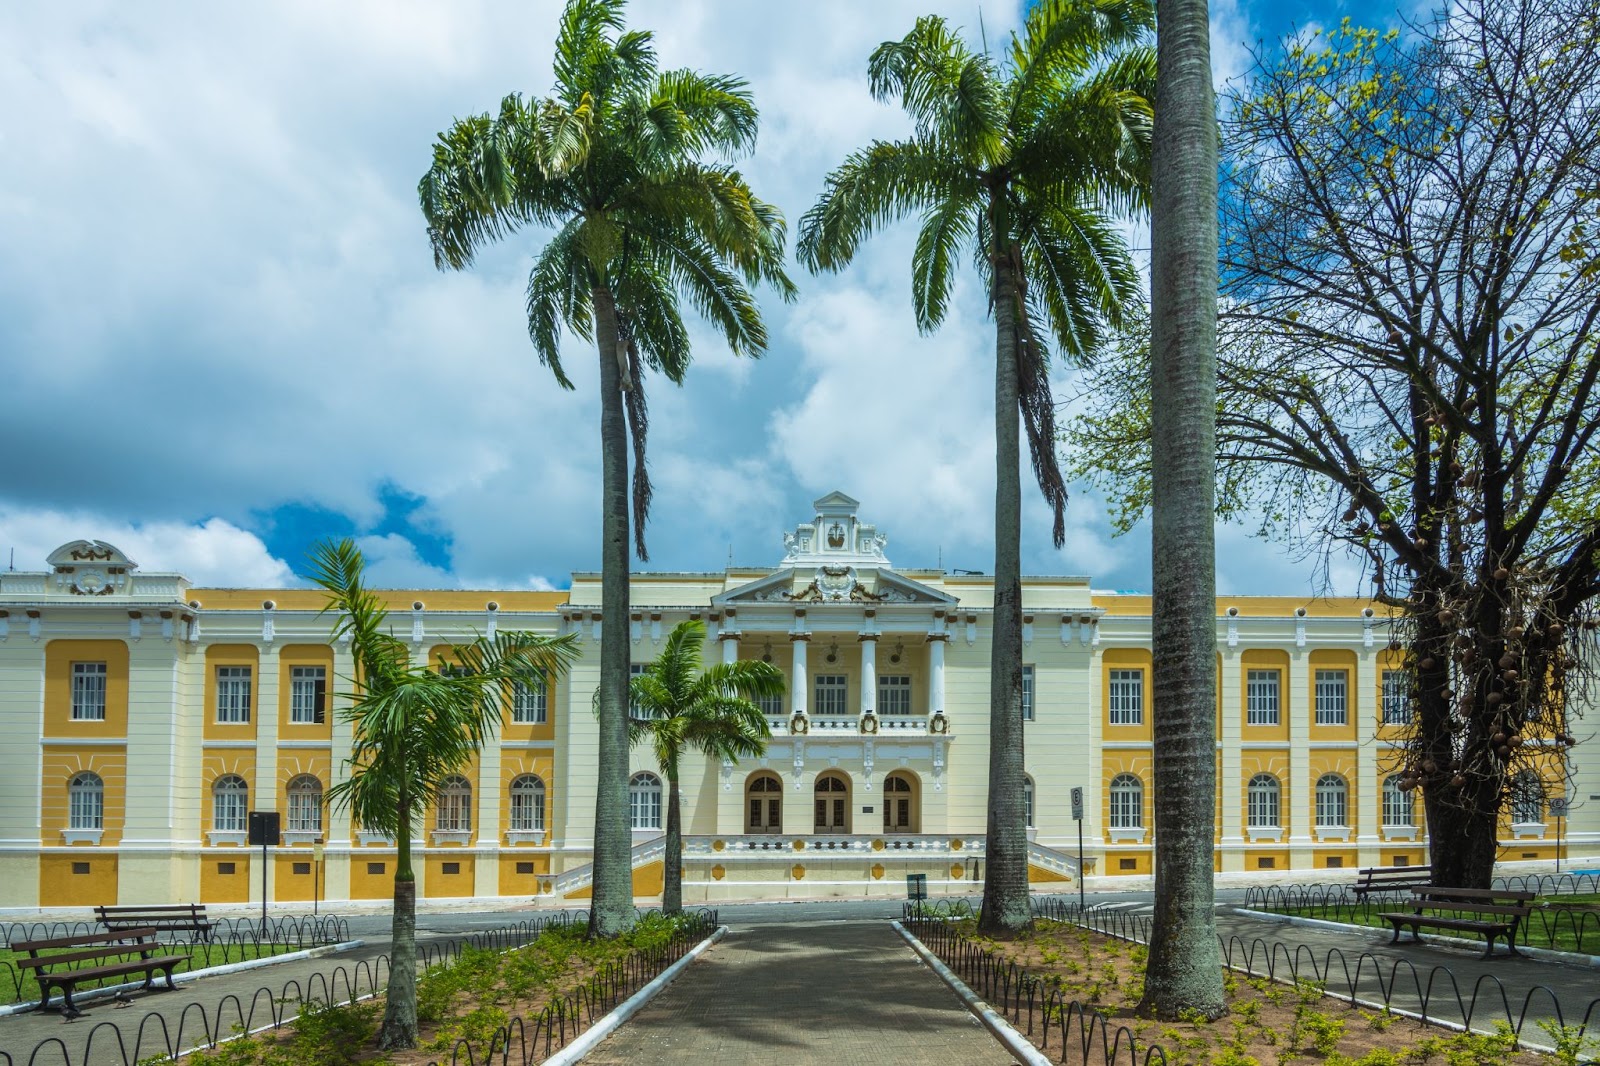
x,y
537,997
1081,974
1558,923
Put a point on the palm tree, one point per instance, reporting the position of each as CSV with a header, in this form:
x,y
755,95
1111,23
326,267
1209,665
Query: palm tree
x,y
1184,971
679,708
615,162
413,727
1021,165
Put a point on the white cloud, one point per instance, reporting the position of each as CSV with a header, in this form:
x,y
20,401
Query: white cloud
x,y
215,553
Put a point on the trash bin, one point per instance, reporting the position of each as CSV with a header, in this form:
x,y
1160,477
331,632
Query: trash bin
x,y
916,887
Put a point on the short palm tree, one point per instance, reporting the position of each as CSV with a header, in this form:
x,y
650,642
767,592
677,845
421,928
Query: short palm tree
x,y
413,727
1022,166
624,164
677,707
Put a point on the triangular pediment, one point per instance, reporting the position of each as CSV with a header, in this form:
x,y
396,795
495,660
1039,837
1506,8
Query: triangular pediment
x,y
833,584
834,502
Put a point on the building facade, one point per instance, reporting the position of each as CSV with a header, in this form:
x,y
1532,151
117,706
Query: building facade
x,y
145,718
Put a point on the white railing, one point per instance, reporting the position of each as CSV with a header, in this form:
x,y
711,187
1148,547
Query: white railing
x,y
849,725
583,876
822,845
1051,859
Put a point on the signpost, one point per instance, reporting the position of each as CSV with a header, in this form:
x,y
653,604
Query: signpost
x,y
263,827
1077,816
1558,807
316,875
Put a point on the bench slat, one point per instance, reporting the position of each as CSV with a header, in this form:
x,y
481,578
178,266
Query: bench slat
x,y
86,938
75,977
143,946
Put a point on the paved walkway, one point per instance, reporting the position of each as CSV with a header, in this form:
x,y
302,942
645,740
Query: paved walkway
x,y
834,993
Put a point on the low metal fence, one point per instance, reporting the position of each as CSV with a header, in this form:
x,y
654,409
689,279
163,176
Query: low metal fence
x,y
522,1041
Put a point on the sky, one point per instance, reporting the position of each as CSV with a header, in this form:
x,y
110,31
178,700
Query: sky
x,y
223,338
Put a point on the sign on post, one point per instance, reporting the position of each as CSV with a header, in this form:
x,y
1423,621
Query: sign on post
x,y
1558,806
1077,804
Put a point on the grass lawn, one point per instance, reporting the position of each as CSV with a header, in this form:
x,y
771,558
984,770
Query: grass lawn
x,y
18,985
1562,923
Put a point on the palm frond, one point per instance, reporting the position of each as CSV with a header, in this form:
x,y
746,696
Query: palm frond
x,y
559,294
952,95
874,186
947,224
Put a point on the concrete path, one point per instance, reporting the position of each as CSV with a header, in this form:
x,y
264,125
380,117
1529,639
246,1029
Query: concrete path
x,y
835,993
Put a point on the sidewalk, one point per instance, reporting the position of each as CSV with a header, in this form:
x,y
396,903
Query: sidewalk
x,y
835,993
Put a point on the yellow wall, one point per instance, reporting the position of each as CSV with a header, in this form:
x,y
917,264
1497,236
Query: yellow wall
x,y
513,883
1288,699
1333,659
221,762
292,762
372,885
289,886
1126,659
61,764
60,886
513,732
436,883
231,655
514,764
1141,764
1275,763
59,655
218,887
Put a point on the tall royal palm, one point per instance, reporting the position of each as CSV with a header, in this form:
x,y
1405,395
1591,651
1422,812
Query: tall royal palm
x,y
1023,165
677,707
1184,972
627,166
412,728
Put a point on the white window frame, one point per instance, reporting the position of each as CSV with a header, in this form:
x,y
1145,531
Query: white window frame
x,y
894,694
1264,802
527,806
86,803
89,692
305,808
634,710
644,802
1125,697
233,694
1263,697
1333,697
1528,799
303,694
1028,800
1126,796
1396,697
1399,807
230,806
1027,691
772,706
452,810
530,702
830,694
1333,802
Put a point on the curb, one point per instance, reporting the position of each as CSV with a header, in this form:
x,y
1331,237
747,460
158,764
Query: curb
x,y
194,975
1571,958
575,1051
1018,1045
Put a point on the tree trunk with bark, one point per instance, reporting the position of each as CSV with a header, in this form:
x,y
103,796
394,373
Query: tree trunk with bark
x,y
1184,971
611,911
672,865
1006,906
399,1028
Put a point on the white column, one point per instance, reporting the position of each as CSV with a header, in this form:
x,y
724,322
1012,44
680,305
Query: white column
x,y
797,676
730,648
1230,784
936,675
1300,707
869,673
1367,707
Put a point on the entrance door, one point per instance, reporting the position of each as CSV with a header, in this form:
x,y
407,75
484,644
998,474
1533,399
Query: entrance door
x,y
764,805
897,805
832,805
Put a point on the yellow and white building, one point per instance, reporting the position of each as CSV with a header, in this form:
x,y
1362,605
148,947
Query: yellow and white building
x,y
142,718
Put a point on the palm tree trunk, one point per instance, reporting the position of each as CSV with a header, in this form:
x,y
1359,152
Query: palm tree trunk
x,y
1184,971
1005,886
611,909
399,1028
672,866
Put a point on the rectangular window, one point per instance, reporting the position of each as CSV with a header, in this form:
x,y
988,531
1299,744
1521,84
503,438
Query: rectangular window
x,y
233,694
450,867
1396,697
524,867
88,692
374,868
771,706
1262,696
1027,692
302,869
1332,697
634,710
528,703
308,695
80,867
831,695
894,694
225,868
1126,699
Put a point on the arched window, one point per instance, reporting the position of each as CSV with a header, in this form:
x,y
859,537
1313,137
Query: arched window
x,y
1398,809
1527,798
527,804
831,796
453,814
1264,796
1127,802
763,804
86,794
305,805
230,799
1333,797
1027,800
644,801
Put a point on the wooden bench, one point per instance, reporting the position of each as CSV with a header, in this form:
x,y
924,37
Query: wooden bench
x,y
61,969
1500,913
167,918
1381,879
